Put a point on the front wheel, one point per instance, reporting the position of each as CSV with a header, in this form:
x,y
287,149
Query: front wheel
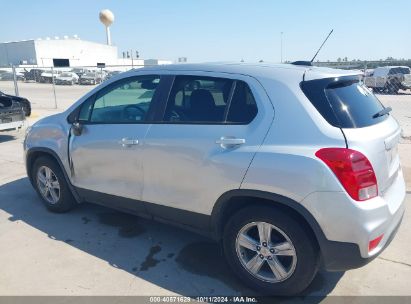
x,y
51,185
270,251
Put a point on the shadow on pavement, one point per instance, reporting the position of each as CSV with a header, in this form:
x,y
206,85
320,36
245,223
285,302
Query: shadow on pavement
x,y
169,257
6,138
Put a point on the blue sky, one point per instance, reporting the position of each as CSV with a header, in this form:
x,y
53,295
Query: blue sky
x,y
212,30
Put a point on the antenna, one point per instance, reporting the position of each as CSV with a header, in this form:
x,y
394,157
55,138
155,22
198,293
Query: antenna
x,y
322,45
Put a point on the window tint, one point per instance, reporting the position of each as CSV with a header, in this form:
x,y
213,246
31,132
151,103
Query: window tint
x,y
126,101
395,71
198,99
210,100
86,110
243,108
345,102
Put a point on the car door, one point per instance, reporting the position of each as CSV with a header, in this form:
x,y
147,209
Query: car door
x,y
106,158
212,126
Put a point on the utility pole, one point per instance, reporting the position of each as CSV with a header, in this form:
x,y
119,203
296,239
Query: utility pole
x,y
132,62
281,46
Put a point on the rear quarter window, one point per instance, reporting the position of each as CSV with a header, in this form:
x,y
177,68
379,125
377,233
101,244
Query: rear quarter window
x,y
344,102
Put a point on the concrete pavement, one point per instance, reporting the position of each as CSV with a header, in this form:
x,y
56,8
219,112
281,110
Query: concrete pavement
x,y
96,251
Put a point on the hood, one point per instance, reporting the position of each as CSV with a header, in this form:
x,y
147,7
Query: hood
x,y
58,118
17,98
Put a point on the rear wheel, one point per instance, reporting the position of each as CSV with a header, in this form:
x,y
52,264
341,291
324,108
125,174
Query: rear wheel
x,y
51,185
392,88
270,251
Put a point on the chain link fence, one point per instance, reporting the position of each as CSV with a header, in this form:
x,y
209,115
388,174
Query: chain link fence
x,y
58,88
55,88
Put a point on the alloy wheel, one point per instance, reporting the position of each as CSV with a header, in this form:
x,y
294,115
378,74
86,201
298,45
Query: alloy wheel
x,y
48,185
266,252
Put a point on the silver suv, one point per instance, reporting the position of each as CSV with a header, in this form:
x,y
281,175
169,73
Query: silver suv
x,y
290,167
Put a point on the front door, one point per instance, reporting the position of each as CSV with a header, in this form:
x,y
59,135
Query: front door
x,y
107,157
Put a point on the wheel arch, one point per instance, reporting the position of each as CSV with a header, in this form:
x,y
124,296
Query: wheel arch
x,y
35,153
234,200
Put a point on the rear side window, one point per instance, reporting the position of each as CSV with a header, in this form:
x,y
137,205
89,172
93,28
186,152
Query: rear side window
x,y
210,100
344,102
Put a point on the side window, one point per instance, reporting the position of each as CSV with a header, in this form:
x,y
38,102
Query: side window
x,y
243,107
85,110
126,101
196,99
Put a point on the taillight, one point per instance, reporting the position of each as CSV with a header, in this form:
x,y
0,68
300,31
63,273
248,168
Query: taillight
x,y
353,170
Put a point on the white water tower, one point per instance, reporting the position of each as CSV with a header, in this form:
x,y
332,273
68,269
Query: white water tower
x,y
107,18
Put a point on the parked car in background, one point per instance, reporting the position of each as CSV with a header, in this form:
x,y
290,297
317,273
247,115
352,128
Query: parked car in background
x,y
25,103
406,83
80,71
9,76
47,76
33,74
387,79
368,72
68,78
91,78
111,74
227,157
11,114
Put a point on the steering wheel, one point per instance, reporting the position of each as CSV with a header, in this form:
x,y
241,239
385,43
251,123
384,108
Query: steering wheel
x,y
130,112
177,115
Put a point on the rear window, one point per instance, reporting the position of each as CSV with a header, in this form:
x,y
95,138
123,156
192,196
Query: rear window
x,y
395,71
344,102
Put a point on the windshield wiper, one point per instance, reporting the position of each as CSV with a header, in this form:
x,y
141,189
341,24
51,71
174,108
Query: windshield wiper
x,y
383,112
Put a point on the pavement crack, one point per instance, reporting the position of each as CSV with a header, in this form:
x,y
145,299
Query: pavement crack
x,y
396,262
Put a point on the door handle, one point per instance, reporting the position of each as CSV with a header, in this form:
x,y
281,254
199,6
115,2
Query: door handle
x,y
126,142
229,142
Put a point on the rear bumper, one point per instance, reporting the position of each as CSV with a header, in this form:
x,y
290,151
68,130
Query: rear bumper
x,y
11,125
348,226
341,256
11,119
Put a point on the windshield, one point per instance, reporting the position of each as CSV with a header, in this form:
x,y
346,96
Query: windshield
x,y
90,74
345,102
65,75
380,72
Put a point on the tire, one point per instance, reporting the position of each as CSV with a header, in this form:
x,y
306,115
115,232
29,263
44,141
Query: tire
x,y
392,88
65,200
300,261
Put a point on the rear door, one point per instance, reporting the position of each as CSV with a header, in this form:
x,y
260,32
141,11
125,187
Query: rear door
x,y
212,126
346,103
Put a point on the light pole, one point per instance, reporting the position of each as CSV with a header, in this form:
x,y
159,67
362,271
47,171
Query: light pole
x,y
281,46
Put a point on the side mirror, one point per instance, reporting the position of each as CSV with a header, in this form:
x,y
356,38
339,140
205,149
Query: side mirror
x,y
77,128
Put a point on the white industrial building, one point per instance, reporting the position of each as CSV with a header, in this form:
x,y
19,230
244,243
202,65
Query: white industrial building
x,y
44,53
70,52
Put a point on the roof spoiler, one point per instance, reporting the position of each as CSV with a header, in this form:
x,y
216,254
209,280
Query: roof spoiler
x,y
301,62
